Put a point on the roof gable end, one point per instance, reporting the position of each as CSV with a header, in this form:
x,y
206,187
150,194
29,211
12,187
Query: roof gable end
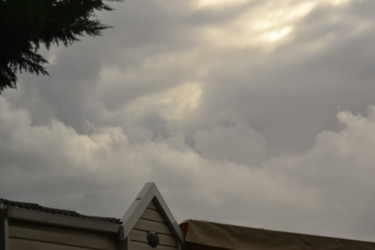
x,y
149,194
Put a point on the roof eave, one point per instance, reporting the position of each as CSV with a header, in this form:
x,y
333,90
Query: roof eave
x,y
40,217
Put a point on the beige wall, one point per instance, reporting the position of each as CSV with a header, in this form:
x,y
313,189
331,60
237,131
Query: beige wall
x,y
152,220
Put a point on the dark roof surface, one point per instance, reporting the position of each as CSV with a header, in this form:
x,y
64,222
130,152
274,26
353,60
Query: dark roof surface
x,y
33,206
205,235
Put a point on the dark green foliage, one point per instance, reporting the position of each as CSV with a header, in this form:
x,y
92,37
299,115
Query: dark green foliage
x,y
27,24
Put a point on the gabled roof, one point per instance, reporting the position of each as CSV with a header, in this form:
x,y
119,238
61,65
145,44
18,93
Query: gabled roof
x,y
149,194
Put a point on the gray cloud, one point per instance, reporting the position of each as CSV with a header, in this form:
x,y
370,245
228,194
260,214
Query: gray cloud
x,y
314,192
230,109
238,143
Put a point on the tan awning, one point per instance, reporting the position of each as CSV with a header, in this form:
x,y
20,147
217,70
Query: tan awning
x,y
203,235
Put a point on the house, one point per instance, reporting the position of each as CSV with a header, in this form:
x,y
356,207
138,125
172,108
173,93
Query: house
x,y
147,225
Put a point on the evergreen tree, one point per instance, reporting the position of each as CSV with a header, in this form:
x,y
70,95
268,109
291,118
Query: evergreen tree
x,y
27,24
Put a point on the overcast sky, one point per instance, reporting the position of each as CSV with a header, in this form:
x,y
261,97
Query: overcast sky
x,y
250,112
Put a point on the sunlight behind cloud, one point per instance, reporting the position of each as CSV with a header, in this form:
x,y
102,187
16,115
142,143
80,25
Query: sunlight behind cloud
x,y
338,2
181,100
277,35
172,104
264,26
217,3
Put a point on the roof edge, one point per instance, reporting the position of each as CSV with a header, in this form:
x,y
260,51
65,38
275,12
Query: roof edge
x,y
34,213
4,203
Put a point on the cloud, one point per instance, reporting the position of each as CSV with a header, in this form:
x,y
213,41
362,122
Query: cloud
x,y
318,189
232,125
238,143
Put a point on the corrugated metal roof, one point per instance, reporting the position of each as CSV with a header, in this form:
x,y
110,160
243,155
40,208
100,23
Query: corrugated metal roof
x,y
4,203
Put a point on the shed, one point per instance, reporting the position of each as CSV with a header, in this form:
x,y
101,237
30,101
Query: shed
x,y
148,224
204,235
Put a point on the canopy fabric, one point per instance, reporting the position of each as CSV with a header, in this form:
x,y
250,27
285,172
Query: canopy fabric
x,y
203,235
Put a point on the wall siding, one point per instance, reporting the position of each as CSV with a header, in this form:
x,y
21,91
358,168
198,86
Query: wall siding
x,y
145,246
39,237
152,220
